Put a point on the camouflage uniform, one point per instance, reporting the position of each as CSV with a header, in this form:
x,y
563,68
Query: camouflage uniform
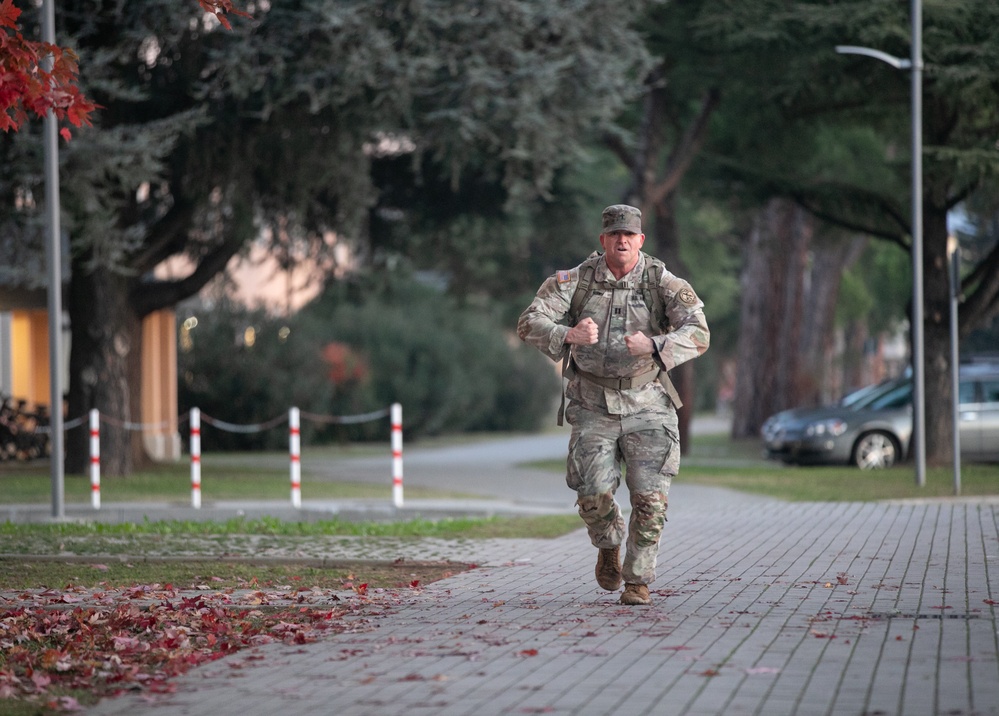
x,y
636,426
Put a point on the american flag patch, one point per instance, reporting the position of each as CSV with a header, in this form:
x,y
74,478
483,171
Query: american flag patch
x,y
563,276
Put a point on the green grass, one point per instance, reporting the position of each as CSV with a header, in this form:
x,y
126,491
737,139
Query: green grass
x,y
222,478
718,461
836,484
234,536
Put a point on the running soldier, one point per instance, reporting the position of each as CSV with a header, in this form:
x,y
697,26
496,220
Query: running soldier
x,y
619,322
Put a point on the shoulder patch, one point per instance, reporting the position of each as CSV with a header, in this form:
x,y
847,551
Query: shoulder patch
x,y
687,296
563,276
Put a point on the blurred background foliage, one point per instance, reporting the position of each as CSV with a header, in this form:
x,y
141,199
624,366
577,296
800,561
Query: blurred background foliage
x,y
434,161
367,342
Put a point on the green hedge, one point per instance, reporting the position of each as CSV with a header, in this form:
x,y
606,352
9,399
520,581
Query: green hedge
x,y
453,368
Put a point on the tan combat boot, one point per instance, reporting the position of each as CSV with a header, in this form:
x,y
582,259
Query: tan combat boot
x,y
635,594
609,569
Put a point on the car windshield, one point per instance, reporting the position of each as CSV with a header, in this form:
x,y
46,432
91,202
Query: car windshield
x,y
897,397
899,394
865,392
887,395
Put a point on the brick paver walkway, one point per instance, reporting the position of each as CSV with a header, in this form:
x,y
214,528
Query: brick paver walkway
x,y
761,607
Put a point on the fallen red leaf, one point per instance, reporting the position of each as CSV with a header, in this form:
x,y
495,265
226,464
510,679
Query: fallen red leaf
x,y
105,650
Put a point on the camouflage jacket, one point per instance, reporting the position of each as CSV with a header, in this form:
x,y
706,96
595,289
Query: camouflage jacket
x,y
619,309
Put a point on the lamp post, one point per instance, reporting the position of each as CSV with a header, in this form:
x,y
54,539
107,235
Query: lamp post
x,y
53,256
915,67
954,264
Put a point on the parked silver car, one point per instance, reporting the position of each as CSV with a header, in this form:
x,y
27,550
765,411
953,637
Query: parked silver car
x,y
874,430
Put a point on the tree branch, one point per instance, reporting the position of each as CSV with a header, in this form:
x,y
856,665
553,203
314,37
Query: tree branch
x,y
166,237
618,148
983,303
804,201
810,197
687,148
149,297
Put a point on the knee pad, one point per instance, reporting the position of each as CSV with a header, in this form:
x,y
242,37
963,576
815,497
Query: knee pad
x,y
601,504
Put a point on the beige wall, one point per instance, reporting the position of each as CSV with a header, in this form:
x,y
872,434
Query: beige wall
x,y
29,360
159,386
29,366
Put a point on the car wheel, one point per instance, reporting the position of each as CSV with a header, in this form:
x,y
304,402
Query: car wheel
x,y
875,451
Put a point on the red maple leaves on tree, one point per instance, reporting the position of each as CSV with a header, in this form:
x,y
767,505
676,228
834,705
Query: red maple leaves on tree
x,y
221,8
28,87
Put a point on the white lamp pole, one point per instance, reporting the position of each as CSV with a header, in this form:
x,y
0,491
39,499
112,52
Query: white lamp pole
x,y
954,264
53,255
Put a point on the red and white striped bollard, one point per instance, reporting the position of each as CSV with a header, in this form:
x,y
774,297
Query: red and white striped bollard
x,y
196,458
95,458
294,447
396,414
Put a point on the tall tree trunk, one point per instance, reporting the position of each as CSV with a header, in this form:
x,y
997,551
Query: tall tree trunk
x,y
936,334
855,335
667,241
104,363
830,258
772,284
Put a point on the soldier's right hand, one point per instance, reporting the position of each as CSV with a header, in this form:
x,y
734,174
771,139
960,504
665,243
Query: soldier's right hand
x,y
584,333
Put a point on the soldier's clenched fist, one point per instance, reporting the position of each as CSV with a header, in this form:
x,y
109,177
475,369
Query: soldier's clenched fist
x,y
639,344
584,333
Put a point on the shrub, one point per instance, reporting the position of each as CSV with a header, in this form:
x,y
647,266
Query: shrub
x,y
247,368
359,348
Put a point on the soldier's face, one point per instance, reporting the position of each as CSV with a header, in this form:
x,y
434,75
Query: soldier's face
x,y
621,249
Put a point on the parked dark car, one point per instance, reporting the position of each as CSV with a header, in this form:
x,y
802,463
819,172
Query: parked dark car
x,y
874,430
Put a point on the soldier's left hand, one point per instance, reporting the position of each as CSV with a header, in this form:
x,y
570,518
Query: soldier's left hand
x,y
639,344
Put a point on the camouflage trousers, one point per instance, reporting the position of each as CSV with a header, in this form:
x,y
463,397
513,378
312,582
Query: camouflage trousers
x,y
646,449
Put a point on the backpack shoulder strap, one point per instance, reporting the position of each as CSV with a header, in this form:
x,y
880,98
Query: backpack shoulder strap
x,y
652,295
584,287
653,298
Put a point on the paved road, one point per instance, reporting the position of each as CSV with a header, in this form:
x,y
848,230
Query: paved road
x,y
490,468
495,468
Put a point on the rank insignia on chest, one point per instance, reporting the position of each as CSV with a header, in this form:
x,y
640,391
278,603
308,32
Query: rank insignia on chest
x,y
563,276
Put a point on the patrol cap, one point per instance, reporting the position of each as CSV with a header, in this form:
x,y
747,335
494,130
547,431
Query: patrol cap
x,y
621,217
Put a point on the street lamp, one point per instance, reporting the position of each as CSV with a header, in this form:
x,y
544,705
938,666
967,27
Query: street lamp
x,y
915,66
954,264
53,256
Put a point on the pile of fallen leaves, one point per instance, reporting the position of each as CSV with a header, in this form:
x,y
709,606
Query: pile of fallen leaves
x,y
49,652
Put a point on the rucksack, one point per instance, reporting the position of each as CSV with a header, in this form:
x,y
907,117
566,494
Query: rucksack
x,y
649,288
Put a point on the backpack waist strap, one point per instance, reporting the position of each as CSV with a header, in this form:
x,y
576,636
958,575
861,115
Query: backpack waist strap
x,y
569,369
634,381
